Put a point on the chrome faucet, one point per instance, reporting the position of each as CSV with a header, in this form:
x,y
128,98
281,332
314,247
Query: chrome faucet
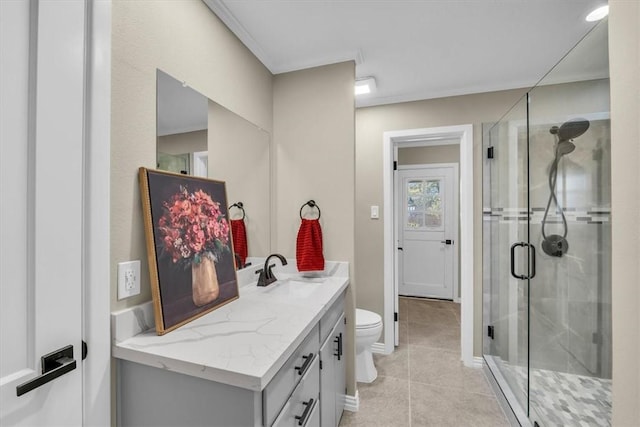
x,y
266,275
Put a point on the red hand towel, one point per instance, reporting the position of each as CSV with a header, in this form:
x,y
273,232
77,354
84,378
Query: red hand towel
x,y
239,235
309,246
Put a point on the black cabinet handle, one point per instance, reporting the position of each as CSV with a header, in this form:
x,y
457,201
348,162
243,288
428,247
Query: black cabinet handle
x,y
307,410
338,340
307,361
54,364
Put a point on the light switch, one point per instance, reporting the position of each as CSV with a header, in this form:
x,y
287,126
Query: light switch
x,y
128,279
375,212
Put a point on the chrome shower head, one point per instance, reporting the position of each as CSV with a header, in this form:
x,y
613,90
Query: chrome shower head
x,y
564,147
566,133
572,129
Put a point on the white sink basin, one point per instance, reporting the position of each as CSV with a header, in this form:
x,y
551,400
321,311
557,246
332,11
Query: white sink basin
x,y
293,288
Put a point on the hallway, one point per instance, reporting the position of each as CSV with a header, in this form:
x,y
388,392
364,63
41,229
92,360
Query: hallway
x,y
423,383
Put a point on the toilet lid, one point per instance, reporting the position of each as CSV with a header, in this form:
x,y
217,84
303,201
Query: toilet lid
x,y
365,318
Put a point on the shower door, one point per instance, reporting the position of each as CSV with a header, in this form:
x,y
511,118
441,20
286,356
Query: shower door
x,y
508,259
547,245
570,204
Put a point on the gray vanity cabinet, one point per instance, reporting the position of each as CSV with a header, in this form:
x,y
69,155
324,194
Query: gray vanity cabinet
x,y
292,394
307,390
301,409
333,374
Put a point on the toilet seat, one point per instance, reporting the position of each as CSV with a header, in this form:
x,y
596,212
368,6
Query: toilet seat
x,y
367,319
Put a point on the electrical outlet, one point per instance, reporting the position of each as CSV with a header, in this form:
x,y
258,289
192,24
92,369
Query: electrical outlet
x,y
128,279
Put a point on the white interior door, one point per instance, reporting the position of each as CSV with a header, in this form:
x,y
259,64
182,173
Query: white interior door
x,y
428,230
42,81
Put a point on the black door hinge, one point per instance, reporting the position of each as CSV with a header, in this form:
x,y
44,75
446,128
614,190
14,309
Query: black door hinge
x,y
490,331
321,365
85,350
395,317
490,153
395,165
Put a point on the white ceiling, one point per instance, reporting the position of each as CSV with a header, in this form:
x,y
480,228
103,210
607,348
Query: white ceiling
x,y
415,49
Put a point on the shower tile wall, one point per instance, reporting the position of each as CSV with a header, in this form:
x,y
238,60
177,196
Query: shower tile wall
x,y
570,295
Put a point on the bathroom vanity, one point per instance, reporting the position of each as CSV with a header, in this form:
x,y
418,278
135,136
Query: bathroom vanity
x,y
273,357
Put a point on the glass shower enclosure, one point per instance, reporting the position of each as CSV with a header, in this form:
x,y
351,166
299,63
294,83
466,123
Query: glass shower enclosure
x,y
547,244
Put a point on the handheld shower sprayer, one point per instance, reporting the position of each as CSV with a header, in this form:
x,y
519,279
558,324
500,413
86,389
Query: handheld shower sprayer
x,y
555,244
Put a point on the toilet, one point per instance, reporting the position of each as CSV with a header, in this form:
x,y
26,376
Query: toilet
x,y
368,329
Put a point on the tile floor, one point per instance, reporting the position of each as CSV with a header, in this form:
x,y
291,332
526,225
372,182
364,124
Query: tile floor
x,y
423,383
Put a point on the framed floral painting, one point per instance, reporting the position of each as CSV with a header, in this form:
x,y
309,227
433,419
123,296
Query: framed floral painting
x,y
189,246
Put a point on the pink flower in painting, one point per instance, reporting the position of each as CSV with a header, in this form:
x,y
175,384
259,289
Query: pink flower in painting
x,y
192,226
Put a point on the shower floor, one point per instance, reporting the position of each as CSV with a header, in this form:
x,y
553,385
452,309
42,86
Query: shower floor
x,y
568,399
564,399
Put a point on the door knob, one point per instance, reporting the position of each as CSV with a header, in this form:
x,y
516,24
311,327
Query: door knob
x,y
447,242
54,364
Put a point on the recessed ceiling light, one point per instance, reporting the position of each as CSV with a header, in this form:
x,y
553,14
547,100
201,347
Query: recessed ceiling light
x,y
365,85
598,14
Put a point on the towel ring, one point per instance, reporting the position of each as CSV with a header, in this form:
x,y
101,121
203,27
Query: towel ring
x,y
311,204
240,206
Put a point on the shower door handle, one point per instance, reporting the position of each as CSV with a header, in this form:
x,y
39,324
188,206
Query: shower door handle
x,y
513,260
532,251
533,261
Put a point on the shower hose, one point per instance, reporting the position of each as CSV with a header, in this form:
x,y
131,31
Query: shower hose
x,y
553,175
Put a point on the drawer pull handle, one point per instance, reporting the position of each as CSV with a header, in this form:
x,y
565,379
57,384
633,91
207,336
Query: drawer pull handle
x,y
307,361
338,340
303,418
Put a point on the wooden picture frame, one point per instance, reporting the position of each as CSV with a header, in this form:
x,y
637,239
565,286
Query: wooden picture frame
x,y
189,246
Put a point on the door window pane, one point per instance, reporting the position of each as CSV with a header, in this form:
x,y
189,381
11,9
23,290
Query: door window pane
x,y
424,203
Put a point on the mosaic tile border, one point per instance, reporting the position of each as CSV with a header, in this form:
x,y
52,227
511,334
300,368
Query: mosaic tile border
x,y
594,215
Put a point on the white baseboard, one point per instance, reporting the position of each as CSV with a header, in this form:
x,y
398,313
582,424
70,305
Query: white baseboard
x,y
352,403
478,362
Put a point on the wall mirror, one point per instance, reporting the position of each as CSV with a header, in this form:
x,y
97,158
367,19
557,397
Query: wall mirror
x,y
197,136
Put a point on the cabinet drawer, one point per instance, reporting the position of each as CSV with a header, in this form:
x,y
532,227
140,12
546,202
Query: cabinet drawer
x,y
281,386
302,407
330,318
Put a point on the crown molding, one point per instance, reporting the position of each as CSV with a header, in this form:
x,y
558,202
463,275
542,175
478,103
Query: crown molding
x,y
224,14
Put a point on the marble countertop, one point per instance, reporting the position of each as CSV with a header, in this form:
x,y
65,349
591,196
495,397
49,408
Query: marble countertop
x,y
243,343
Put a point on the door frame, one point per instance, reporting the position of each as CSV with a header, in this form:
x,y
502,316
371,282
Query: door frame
x,y
96,328
431,136
456,214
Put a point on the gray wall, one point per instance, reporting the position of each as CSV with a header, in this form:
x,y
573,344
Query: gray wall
x,y
371,123
314,159
186,40
180,143
240,156
429,155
